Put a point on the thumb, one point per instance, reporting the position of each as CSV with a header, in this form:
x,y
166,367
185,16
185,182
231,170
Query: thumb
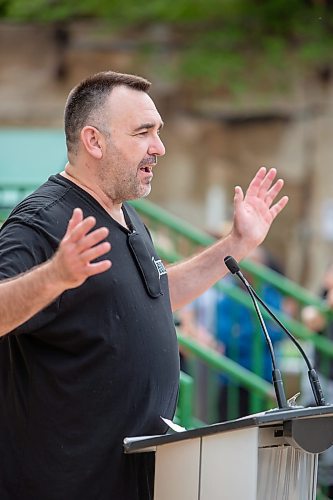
x,y
238,197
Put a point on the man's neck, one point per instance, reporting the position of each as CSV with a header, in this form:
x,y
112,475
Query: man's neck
x,y
113,209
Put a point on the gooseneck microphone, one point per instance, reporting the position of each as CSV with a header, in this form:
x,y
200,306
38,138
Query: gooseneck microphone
x,y
233,267
276,374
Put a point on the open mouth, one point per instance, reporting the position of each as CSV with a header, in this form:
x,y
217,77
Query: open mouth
x,y
146,162
146,169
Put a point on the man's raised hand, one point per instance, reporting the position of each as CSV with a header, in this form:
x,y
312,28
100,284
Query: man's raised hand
x,y
73,261
255,212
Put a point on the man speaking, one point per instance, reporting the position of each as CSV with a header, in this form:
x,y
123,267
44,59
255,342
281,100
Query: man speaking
x,y
99,361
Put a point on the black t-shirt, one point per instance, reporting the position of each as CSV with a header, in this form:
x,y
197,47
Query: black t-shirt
x,y
99,364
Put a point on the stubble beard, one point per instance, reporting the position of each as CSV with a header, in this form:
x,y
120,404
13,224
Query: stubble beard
x,y
118,180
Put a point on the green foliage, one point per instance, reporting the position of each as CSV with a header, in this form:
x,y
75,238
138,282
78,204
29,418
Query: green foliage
x,y
215,40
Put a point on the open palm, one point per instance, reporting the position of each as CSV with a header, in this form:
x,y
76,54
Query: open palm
x,y
255,212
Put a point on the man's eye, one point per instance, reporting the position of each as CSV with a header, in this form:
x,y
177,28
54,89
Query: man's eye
x,y
144,132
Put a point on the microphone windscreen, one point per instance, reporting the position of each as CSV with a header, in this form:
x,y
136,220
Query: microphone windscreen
x,y
231,264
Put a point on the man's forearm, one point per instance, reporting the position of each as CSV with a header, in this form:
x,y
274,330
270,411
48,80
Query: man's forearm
x,y
27,294
192,277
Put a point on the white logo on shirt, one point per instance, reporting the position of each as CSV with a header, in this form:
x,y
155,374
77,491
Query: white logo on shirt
x,y
159,266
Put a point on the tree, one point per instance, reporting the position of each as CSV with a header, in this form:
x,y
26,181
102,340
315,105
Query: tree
x,y
213,41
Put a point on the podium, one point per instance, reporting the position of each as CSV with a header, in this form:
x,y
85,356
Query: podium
x,y
267,456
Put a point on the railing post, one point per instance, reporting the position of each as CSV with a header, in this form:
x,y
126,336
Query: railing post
x,y
185,400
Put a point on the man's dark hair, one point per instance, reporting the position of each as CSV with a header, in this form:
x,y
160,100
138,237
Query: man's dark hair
x,y
88,97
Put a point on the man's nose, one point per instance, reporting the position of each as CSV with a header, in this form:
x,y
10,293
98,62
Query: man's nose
x,y
157,147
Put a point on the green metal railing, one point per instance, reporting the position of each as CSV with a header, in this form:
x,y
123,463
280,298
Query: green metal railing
x,y
219,364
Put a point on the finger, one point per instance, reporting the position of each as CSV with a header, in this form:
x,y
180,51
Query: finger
x,y
276,209
255,184
75,219
99,267
82,229
92,239
274,191
97,251
266,183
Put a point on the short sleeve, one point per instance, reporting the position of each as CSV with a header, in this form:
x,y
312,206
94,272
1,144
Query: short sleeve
x,y
21,248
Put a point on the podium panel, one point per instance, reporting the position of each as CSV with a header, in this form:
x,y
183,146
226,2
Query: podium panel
x,y
229,466
177,470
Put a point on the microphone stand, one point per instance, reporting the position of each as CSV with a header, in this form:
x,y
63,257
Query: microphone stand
x,y
312,374
276,374
233,267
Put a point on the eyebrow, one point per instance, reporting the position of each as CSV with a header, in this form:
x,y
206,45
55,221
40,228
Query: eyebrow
x,y
148,125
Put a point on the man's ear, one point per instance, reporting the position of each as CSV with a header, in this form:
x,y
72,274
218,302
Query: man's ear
x,y
92,140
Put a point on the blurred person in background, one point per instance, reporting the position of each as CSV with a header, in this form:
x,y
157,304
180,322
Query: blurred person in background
x,y
101,362
317,322
197,320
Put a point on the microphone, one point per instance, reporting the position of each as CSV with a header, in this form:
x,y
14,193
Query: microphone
x,y
276,374
234,268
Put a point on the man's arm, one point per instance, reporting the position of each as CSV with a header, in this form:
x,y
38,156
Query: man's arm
x,y
25,295
253,216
